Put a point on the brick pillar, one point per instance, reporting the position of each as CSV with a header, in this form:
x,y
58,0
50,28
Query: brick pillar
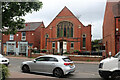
x,y
29,53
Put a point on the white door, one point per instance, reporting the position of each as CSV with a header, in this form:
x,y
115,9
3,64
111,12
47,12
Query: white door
x,y
64,46
58,47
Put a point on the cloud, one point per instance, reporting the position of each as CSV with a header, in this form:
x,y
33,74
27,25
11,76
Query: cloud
x,y
88,11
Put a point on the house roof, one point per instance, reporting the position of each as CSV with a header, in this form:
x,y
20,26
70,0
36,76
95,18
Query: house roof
x,y
31,26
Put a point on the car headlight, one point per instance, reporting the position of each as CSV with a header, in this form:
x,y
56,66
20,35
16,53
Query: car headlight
x,y
100,65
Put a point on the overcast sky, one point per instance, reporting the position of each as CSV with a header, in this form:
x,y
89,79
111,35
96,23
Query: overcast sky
x,y
88,11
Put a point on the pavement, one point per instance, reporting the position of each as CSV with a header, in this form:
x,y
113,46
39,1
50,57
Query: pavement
x,y
25,75
79,62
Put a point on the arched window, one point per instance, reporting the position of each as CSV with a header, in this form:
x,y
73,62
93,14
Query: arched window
x,y
65,29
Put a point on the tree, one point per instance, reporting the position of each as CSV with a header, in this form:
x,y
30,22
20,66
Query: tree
x,y
12,13
96,44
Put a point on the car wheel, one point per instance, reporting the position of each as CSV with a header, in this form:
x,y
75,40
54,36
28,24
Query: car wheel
x,y
58,72
25,68
116,76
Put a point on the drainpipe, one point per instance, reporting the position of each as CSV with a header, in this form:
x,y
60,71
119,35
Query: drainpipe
x,y
115,35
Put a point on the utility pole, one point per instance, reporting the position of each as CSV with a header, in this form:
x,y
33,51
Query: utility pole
x,y
1,28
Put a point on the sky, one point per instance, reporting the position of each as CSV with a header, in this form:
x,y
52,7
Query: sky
x,y
88,12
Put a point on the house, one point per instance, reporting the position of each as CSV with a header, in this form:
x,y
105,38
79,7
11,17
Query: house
x,y
28,37
111,28
64,34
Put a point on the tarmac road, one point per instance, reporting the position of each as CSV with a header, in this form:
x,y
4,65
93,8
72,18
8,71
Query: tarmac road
x,y
83,70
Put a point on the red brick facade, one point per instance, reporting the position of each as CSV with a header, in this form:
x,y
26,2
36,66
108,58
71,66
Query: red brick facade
x,y
78,31
111,28
65,33
32,39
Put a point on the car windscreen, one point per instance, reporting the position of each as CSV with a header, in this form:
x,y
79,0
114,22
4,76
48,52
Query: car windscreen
x,y
117,55
67,59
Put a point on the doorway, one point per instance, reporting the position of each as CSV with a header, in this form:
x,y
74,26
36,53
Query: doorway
x,y
61,45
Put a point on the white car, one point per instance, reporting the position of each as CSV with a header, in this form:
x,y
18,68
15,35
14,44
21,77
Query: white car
x,y
110,67
57,65
4,60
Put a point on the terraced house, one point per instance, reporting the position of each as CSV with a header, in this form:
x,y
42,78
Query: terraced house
x,y
65,33
28,37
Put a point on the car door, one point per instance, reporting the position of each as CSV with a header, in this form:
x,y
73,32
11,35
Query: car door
x,y
38,64
50,64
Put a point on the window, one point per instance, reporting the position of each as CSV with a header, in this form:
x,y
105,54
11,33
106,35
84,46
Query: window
x,y
57,32
84,40
42,59
11,47
46,40
67,59
23,36
65,29
71,31
23,48
11,37
72,44
53,45
50,59
46,35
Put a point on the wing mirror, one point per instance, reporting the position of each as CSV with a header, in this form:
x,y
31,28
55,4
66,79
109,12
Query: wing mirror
x,y
34,61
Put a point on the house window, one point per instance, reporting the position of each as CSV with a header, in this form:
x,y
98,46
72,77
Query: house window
x,y
53,44
65,29
11,37
84,40
11,47
23,36
71,31
72,44
23,48
47,36
57,32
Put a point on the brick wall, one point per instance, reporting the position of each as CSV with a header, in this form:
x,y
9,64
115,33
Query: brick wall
x,y
78,30
109,29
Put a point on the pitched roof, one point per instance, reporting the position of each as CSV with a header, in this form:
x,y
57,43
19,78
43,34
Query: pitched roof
x,y
65,12
31,26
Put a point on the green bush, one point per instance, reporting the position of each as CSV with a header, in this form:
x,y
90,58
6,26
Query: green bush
x,y
66,53
44,50
5,72
57,53
76,51
35,51
88,60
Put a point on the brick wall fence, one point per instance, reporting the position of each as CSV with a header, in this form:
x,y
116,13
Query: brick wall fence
x,y
85,58
74,57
